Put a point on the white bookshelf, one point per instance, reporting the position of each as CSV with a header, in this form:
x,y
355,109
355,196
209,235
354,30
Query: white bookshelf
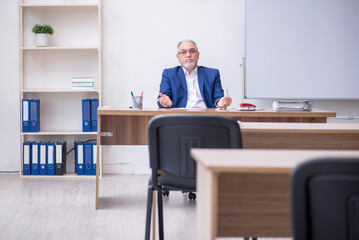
x,y
46,73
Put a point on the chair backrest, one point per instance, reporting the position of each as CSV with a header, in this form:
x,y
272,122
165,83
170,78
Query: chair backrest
x,y
325,199
170,138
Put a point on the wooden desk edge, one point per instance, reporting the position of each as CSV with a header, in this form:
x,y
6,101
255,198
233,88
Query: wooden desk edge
x,y
230,112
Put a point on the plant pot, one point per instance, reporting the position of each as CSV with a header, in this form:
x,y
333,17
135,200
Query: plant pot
x,y
41,39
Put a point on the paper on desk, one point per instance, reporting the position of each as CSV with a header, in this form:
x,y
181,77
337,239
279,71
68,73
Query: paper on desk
x,y
292,105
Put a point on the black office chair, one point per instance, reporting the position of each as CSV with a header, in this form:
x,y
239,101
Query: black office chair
x,y
170,138
325,199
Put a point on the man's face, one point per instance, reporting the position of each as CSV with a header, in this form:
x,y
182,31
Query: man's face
x,y
188,55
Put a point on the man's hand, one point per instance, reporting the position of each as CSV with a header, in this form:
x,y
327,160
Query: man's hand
x,y
165,100
224,102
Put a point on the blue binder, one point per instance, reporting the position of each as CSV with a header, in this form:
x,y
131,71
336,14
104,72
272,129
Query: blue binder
x,y
94,106
86,115
60,158
43,158
35,115
25,115
94,158
50,159
88,158
35,150
79,158
26,158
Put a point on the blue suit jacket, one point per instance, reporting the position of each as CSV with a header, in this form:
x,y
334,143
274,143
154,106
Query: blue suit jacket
x,y
174,85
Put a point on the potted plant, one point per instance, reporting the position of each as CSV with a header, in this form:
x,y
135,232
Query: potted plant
x,y
42,32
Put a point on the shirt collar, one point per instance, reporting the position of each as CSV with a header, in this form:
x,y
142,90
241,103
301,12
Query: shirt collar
x,y
194,72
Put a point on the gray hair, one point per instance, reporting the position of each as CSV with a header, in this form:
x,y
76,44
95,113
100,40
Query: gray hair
x,y
187,40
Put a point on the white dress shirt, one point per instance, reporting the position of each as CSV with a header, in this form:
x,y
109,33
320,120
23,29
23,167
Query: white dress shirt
x,y
194,97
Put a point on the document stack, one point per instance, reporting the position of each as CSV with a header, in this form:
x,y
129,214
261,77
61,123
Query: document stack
x,y
294,105
82,83
41,158
30,115
85,158
89,115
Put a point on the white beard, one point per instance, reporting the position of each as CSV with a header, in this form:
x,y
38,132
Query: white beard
x,y
189,65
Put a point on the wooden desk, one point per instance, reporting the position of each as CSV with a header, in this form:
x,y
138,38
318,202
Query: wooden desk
x,y
300,136
129,127
246,193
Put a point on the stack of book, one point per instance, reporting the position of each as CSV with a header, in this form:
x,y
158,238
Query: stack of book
x,y
82,82
292,105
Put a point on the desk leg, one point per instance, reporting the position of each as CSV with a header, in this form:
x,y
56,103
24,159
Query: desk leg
x,y
98,160
206,207
154,215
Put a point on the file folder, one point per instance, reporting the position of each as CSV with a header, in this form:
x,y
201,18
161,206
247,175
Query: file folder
x,y
94,158
79,165
26,158
60,158
94,106
34,115
88,158
35,158
43,160
25,115
292,105
86,115
50,159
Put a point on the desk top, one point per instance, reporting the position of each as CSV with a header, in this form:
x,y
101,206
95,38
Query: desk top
x,y
231,112
260,161
295,127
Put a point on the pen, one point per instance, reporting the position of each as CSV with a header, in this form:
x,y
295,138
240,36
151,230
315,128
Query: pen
x,y
141,97
132,94
227,93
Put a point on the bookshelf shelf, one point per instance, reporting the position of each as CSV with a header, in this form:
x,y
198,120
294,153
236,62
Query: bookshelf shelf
x,y
50,133
60,48
58,5
66,175
46,73
61,90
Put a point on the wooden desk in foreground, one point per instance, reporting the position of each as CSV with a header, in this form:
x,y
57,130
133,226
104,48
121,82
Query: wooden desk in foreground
x,y
246,193
319,136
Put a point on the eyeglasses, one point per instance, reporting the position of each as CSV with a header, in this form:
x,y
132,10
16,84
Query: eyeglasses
x,y
184,52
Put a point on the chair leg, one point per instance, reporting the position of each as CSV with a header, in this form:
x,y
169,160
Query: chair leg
x,y
148,214
160,214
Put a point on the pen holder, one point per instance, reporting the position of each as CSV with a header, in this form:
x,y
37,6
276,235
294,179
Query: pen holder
x,y
137,102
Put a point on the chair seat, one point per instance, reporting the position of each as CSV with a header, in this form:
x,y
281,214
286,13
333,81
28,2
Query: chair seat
x,y
171,182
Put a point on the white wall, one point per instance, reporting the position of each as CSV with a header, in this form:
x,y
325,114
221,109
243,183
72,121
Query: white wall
x,y
9,85
140,38
139,41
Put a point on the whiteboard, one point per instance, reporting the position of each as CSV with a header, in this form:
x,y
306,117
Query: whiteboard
x,y
307,49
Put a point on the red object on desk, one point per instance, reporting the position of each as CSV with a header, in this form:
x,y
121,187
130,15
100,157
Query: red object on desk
x,y
246,105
